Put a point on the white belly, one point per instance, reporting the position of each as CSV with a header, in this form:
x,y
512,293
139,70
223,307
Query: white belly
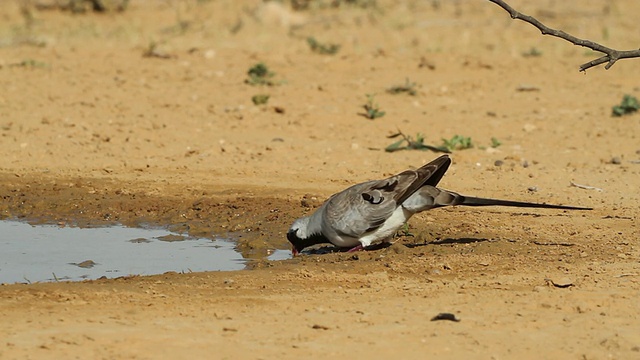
x,y
388,229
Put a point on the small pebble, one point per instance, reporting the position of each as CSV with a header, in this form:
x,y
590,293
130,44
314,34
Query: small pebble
x,y
87,264
398,248
582,308
498,163
616,160
527,87
209,54
532,188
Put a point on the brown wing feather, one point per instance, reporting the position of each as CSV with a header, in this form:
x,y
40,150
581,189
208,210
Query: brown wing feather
x,y
429,174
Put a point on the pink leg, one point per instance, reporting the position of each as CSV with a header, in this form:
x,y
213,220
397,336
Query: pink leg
x,y
357,248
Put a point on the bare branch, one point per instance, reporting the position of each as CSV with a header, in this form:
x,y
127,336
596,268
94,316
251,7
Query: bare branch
x,y
610,57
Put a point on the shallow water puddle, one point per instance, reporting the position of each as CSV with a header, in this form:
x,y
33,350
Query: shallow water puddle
x,y
278,254
31,253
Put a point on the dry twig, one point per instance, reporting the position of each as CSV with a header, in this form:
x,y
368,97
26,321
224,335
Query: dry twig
x,y
586,187
610,57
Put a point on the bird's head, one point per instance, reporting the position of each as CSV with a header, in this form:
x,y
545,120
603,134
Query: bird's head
x,y
295,235
300,236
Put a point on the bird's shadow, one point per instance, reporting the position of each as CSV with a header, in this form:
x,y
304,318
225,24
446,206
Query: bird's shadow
x,y
449,241
323,249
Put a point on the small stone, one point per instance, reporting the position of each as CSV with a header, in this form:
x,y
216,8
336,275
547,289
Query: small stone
x,y
209,54
582,308
398,248
498,163
616,160
527,87
87,264
309,201
532,188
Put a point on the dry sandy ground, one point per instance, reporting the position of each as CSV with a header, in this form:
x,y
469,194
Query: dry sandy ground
x,y
92,131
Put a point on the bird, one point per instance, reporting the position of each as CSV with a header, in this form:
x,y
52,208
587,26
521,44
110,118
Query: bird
x,y
370,213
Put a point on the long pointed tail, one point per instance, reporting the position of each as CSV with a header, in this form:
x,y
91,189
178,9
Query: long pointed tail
x,y
429,197
475,201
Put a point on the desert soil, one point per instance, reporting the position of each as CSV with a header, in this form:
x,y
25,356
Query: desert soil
x,y
144,116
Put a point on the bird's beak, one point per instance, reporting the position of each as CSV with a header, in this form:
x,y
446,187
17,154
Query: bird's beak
x,y
294,251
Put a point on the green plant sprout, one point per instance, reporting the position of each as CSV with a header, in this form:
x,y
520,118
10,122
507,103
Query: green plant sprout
x,y
404,231
533,52
260,99
457,142
320,48
259,74
408,88
628,105
372,110
409,143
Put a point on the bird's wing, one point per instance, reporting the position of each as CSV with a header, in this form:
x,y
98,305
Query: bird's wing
x,y
358,209
429,174
365,207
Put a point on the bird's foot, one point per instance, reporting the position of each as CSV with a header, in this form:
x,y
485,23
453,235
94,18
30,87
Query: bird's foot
x,y
378,246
